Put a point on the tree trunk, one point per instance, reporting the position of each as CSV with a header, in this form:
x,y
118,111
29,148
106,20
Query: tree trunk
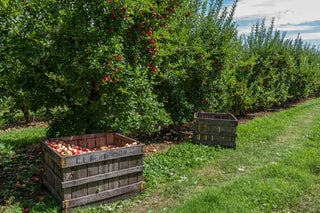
x,y
26,113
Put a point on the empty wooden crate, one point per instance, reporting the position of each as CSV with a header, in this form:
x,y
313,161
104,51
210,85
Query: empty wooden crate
x,y
96,177
215,129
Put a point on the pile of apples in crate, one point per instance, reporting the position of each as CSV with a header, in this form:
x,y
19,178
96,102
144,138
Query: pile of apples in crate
x,y
68,149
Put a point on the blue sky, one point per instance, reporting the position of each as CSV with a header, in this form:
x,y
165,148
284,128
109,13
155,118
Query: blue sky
x,y
291,16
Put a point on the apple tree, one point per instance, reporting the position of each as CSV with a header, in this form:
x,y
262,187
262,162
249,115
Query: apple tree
x,y
98,59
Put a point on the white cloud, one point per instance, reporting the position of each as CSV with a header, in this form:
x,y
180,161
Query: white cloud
x,y
306,36
285,11
291,16
247,29
295,28
244,30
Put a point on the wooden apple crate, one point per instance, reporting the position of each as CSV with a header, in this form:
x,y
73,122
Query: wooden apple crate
x,y
97,177
215,129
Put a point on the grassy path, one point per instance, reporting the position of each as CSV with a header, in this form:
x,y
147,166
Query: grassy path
x,y
275,168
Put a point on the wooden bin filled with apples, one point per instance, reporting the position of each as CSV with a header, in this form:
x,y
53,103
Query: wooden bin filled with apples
x,y
215,129
92,169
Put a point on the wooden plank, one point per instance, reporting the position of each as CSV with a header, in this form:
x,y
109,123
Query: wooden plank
x,y
101,141
51,189
140,176
91,143
93,170
78,137
122,140
66,174
220,116
140,160
102,195
123,164
103,169
80,190
133,163
217,122
225,134
66,193
114,167
103,155
54,181
48,162
116,198
57,187
82,142
202,128
110,138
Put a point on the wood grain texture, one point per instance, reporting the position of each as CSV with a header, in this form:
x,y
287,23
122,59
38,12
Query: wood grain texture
x,y
136,187
100,177
96,177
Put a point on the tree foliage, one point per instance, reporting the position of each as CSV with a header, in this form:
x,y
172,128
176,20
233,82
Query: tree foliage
x,y
135,65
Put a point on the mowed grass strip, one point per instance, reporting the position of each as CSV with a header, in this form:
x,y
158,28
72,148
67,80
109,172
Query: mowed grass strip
x,y
234,177
276,167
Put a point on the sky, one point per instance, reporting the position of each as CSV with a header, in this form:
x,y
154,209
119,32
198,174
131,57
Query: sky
x,y
291,16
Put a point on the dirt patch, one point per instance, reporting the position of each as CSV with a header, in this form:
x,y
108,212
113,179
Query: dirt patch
x,y
307,121
31,149
268,112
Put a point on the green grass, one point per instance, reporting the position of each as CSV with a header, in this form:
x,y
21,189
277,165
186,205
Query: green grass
x,y
21,138
276,168
277,173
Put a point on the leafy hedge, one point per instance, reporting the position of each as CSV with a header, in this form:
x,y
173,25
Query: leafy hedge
x,y
136,65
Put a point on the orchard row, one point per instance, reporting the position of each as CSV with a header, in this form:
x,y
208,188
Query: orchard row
x,y
136,65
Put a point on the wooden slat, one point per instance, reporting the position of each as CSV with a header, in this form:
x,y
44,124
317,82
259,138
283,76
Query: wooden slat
x,y
79,137
80,190
110,138
122,140
123,164
66,174
48,162
102,195
51,189
114,167
104,155
217,122
115,198
133,163
93,170
101,141
103,169
216,116
82,142
225,134
91,143
55,181
140,160
140,176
